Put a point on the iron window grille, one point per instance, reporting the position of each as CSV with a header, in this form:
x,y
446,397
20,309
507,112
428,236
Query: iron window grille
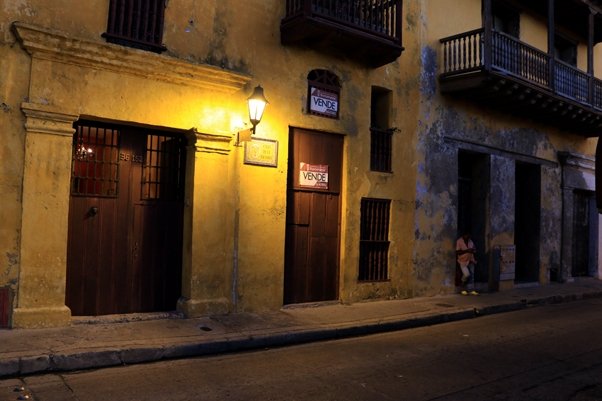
x,y
136,23
95,161
163,168
374,240
381,141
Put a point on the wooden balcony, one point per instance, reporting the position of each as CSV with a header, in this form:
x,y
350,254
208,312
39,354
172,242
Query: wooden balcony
x,y
368,31
508,74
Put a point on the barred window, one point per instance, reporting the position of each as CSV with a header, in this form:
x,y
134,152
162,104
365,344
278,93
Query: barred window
x,y
381,135
380,150
136,23
162,176
374,240
95,161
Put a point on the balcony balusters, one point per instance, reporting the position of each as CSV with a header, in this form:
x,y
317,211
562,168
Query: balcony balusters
x,y
463,53
378,17
367,31
468,44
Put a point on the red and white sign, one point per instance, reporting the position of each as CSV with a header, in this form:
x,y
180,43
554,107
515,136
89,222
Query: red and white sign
x,y
323,102
313,176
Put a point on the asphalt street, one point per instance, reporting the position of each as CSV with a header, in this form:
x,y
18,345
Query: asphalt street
x,y
547,353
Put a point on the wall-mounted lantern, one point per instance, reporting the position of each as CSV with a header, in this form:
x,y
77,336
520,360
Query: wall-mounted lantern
x,y
256,103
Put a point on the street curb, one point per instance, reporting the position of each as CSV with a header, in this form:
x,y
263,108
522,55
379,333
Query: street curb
x,y
86,359
116,357
60,362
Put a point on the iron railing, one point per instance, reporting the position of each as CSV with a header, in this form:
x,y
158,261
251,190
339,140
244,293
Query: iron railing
x,y
473,51
377,17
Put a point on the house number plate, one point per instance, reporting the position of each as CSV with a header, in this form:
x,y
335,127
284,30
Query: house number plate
x,y
126,157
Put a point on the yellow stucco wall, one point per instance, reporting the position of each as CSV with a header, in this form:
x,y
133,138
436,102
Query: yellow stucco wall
x,y
59,69
534,31
234,235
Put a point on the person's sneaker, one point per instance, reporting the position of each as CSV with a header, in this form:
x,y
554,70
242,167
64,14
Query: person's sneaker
x,y
474,293
464,293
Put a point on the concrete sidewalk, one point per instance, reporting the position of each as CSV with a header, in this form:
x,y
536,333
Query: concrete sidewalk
x,y
119,340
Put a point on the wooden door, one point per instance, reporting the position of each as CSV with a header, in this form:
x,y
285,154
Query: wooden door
x,y
125,221
527,221
313,217
585,238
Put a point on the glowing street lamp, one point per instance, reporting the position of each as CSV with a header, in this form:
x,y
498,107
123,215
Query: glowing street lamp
x,y
257,103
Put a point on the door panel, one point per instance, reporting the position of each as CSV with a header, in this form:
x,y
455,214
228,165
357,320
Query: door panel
x,y
527,221
313,219
125,222
585,237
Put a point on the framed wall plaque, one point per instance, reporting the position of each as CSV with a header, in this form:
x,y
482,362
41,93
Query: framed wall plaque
x,y
261,152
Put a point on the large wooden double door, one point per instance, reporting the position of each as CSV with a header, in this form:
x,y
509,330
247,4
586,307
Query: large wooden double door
x,y
313,217
125,220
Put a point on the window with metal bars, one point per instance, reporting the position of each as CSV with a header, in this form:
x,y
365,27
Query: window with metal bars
x,y
163,168
380,150
381,136
136,23
95,161
374,240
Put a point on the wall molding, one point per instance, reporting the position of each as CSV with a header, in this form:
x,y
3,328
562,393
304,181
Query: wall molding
x,y
213,143
578,161
43,119
53,45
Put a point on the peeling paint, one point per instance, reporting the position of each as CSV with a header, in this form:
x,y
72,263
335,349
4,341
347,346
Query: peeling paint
x,y
217,52
411,21
428,75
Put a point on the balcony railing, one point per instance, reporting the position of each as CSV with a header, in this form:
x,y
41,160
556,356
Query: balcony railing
x,y
470,51
377,17
358,24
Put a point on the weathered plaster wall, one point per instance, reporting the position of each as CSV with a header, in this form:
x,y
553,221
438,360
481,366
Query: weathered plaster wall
x,y
235,213
401,78
447,124
13,87
98,83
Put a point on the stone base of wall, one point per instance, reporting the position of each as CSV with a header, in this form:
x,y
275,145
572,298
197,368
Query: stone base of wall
x,y
203,307
506,285
35,318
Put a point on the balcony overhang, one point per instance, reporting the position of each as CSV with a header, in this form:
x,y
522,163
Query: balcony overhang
x,y
519,98
515,78
371,37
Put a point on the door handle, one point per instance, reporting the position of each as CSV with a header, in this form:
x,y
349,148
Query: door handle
x,y
93,211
